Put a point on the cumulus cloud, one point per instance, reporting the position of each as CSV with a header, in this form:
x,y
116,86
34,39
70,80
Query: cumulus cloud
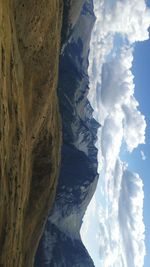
x,y
111,129
125,20
117,84
122,119
130,18
131,219
120,229
119,195
134,126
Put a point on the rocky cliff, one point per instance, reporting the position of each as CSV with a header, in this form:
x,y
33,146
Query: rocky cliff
x,y
29,123
61,244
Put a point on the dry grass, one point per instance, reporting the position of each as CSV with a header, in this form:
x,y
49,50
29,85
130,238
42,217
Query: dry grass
x,y
30,136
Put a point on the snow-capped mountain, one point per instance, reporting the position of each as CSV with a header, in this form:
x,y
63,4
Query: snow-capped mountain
x,y
61,244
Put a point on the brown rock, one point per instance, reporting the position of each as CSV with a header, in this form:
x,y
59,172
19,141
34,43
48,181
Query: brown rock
x,y
30,129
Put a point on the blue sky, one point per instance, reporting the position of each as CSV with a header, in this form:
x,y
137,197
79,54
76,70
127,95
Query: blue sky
x,y
117,234
141,71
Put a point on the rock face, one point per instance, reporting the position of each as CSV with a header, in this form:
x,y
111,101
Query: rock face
x,y
61,244
30,129
71,13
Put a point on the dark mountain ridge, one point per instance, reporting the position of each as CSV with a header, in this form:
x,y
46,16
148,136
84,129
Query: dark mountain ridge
x,y
61,244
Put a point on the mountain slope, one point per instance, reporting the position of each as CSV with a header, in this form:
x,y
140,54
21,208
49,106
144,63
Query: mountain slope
x,y
30,131
61,244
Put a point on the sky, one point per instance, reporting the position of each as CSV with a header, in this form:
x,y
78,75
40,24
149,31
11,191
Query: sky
x,y
141,67
118,233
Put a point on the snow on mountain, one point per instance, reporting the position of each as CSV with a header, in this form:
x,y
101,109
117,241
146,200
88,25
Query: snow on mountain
x,y
61,243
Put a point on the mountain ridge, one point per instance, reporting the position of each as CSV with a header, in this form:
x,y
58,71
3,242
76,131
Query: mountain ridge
x,y
61,244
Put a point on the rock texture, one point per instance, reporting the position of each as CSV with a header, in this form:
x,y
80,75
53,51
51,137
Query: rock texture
x,y
29,124
71,13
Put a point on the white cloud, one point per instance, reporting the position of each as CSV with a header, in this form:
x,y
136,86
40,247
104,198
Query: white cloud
x,y
130,18
117,84
119,225
143,155
111,129
134,125
119,197
117,98
131,218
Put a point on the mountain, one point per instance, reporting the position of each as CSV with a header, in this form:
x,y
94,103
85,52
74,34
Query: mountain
x,y
71,13
61,244
30,126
